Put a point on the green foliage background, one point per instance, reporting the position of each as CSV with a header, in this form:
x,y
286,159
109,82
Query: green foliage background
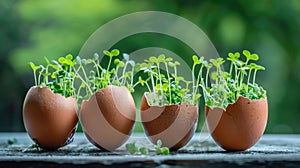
x,y
32,29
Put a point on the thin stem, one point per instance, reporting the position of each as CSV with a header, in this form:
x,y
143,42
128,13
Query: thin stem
x,y
169,82
159,76
231,67
148,86
248,78
46,78
199,77
107,70
88,87
206,78
40,74
34,74
78,93
152,81
175,70
96,65
254,76
131,78
84,74
116,76
193,79
123,74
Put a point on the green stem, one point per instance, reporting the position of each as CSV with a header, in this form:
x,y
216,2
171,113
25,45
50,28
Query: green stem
x,y
123,74
86,84
107,70
175,70
131,78
248,78
193,79
116,76
206,78
152,81
46,78
96,65
148,86
35,80
39,79
160,82
198,78
169,83
78,93
231,67
254,76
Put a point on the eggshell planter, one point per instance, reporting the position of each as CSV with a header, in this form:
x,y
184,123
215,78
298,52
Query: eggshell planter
x,y
174,124
50,119
239,126
108,117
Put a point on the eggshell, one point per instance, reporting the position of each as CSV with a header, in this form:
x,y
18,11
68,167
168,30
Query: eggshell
x,y
50,119
174,124
108,117
240,126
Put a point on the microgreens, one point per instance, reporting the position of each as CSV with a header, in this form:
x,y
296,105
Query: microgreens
x,y
101,76
159,150
61,75
65,70
164,84
227,87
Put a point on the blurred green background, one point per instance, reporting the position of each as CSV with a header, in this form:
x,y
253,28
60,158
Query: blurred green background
x,y
31,29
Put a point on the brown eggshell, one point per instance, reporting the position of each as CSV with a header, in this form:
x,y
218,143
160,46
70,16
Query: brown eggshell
x,y
108,117
50,119
240,126
174,125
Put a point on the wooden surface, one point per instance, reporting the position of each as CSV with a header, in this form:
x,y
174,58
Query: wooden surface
x,y
270,151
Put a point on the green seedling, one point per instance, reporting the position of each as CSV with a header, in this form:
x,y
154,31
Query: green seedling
x,y
228,86
60,73
100,77
159,150
165,84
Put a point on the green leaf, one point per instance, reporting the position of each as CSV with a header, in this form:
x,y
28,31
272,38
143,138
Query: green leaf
x,y
116,62
153,59
169,59
176,63
252,66
214,75
165,150
131,148
159,143
121,64
33,67
69,57
196,60
47,61
161,58
259,67
115,52
254,57
165,87
246,53
61,60
105,52
233,56
144,151
89,61
171,64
